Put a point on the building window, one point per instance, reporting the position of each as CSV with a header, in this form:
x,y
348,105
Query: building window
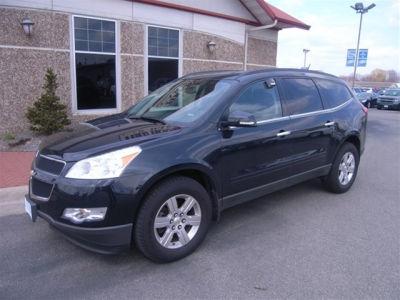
x,y
163,56
95,63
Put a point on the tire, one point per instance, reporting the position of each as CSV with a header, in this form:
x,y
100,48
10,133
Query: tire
x,y
337,183
168,201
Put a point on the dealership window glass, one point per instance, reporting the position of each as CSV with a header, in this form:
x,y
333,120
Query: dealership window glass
x,y
95,63
260,100
301,96
163,56
333,93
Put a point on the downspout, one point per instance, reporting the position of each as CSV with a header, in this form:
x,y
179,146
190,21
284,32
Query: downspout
x,y
246,38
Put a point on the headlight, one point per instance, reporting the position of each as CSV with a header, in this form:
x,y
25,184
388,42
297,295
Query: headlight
x,y
80,215
108,165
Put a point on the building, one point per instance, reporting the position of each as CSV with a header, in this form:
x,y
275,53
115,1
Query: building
x,y
110,53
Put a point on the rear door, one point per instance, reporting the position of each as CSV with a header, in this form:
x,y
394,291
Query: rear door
x,y
311,129
335,95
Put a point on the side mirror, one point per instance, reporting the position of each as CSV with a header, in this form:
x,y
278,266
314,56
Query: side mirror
x,y
239,119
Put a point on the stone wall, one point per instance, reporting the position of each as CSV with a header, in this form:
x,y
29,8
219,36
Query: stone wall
x,y
24,60
132,63
51,29
261,53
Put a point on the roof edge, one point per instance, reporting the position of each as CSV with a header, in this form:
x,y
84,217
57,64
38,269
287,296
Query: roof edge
x,y
271,11
198,11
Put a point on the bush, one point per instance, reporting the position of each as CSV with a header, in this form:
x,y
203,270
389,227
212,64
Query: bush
x,y
48,114
8,136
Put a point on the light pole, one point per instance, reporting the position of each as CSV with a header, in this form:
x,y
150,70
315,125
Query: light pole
x,y
305,56
360,9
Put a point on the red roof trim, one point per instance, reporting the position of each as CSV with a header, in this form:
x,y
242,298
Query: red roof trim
x,y
277,14
198,11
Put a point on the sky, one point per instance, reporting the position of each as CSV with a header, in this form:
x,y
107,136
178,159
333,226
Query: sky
x,y
334,29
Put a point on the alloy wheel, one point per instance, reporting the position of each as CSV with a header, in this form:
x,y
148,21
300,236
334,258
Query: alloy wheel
x,y
177,221
346,168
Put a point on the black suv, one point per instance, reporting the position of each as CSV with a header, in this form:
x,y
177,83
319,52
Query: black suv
x,y
156,175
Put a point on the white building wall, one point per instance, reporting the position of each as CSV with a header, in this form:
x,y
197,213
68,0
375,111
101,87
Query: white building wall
x,y
227,7
225,28
151,14
264,34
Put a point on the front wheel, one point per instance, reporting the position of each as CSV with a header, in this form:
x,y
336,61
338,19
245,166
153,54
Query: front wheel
x,y
173,220
344,170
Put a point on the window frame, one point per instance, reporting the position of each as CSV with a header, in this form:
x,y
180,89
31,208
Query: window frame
x,y
325,103
147,56
74,96
244,88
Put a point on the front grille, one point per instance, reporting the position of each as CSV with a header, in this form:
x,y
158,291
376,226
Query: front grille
x,y
49,165
40,189
386,99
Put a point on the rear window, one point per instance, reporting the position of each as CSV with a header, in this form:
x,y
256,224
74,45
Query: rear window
x,y
333,93
301,96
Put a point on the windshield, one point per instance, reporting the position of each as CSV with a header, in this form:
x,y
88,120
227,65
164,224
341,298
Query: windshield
x,y
362,95
182,101
392,92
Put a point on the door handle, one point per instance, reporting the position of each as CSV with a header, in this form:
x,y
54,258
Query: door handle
x,y
327,124
283,133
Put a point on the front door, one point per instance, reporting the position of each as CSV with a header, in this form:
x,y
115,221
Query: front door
x,y
252,157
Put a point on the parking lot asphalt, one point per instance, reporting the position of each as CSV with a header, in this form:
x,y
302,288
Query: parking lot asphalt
x,y
301,242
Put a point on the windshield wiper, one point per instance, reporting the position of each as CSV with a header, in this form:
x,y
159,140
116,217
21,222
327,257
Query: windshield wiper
x,y
153,120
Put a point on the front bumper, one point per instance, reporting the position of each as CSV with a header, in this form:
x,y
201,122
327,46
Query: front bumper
x,y
104,240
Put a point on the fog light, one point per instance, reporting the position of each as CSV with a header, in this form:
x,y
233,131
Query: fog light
x,y
80,215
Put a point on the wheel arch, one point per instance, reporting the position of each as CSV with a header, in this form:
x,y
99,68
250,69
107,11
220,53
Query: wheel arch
x,y
195,171
352,138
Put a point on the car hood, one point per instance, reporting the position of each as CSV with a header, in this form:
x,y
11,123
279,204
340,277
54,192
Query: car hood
x,y
103,134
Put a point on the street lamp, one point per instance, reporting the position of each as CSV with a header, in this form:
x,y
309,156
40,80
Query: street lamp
x,y
360,9
305,56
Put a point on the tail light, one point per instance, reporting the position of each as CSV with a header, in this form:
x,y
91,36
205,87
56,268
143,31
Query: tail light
x,y
365,109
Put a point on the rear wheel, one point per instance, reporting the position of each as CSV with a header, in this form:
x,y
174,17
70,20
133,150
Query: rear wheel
x,y
344,170
173,220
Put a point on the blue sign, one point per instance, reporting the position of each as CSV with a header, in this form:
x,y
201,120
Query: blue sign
x,y
362,57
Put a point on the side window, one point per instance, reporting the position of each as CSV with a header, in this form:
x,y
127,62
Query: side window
x,y
333,93
259,100
301,96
